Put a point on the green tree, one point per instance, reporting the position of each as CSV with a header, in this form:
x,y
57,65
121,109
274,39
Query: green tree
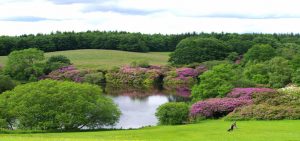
x,y
259,53
58,105
25,64
216,82
192,50
275,72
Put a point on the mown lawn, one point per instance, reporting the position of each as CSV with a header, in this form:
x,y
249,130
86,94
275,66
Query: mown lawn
x,y
212,130
106,59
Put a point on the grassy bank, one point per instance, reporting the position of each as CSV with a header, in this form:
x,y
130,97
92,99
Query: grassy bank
x,y
105,59
213,130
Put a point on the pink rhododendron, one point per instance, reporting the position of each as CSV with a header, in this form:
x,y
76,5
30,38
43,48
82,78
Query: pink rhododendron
x,y
217,107
247,92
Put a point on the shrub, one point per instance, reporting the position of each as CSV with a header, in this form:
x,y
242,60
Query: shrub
x,y
134,76
269,106
172,113
69,73
290,90
6,83
56,62
264,112
183,76
94,78
140,63
191,50
247,93
50,104
216,107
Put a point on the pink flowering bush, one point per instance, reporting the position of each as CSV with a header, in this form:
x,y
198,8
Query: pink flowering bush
x,y
68,73
187,76
247,93
238,97
216,107
134,76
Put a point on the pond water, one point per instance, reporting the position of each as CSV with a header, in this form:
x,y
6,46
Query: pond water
x,y
138,106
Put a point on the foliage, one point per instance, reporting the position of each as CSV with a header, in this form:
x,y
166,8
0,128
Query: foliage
x,y
217,107
269,113
69,73
233,56
266,40
172,113
215,83
274,106
25,64
259,53
184,76
192,50
57,61
6,83
94,78
275,72
288,50
50,104
136,76
290,90
247,93
140,63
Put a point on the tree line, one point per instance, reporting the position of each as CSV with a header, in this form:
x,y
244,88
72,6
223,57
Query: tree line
x,y
136,42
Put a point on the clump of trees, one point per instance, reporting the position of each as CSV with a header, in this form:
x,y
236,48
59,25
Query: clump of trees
x,y
138,42
56,105
29,64
191,50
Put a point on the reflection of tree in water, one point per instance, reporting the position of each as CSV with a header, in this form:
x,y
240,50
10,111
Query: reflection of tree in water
x,y
142,93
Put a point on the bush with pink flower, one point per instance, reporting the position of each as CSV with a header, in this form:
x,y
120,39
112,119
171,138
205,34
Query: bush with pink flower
x,y
186,76
216,107
135,76
69,73
219,107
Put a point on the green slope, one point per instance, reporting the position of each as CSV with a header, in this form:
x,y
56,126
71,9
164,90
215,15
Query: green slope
x,y
212,130
105,59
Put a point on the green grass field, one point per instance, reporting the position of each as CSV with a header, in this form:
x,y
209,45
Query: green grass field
x,y
211,130
105,59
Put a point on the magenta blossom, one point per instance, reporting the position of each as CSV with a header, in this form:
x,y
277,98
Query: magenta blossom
x,y
217,107
247,92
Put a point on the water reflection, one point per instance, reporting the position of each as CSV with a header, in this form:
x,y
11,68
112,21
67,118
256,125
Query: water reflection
x,y
138,105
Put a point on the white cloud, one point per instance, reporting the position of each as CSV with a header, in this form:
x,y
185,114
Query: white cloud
x,y
149,16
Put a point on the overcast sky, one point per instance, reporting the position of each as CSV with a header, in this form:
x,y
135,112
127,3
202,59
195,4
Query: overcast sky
x,y
149,16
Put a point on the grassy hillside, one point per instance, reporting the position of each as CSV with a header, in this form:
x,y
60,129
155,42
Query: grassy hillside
x,y
214,130
97,58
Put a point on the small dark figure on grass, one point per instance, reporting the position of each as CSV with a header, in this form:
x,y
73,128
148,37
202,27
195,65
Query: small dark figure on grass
x,y
233,125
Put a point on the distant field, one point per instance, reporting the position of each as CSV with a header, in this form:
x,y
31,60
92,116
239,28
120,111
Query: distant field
x,y
213,130
105,59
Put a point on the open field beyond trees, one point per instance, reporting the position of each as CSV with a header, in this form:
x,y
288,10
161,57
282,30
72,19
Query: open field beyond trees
x,y
106,59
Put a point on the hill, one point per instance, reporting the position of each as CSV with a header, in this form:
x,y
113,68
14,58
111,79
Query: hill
x,y
105,59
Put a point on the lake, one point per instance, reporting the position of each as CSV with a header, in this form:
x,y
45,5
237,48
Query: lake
x,y
138,106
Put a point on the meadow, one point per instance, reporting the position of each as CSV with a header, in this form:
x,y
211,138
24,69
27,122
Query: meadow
x,y
208,130
106,59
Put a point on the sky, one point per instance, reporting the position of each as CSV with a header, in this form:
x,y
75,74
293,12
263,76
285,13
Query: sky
x,y
19,17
